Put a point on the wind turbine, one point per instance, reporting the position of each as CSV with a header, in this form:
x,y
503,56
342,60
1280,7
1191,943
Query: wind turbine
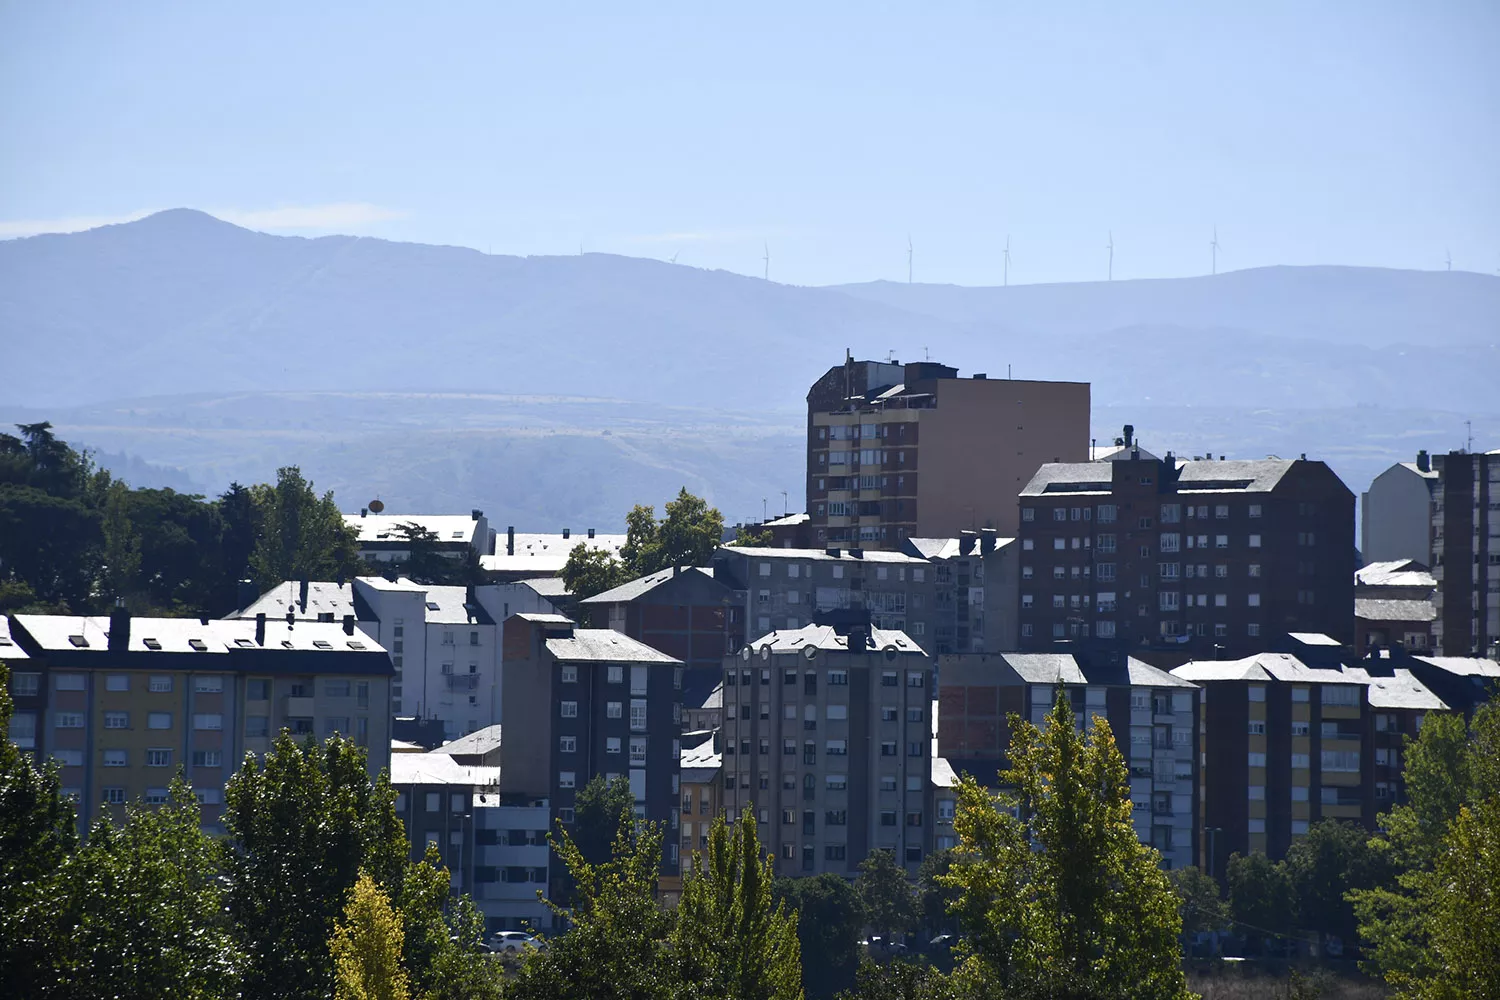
x,y
908,258
1111,249
1214,246
1007,260
1448,258
767,259
674,258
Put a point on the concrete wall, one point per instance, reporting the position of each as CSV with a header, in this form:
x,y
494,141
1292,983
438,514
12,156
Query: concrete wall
x,y
1394,515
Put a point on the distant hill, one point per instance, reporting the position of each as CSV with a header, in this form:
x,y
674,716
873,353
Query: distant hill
x,y
180,302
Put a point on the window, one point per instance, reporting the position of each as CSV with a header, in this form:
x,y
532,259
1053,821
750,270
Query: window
x,y
612,744
1105,544
569,709
208,684
615,674
1258,793
566,779
209,721
915,679
1299,729
115,682
1028,513
64,758
638,713
1255,541
113,796
115,758
1059,543
838,677
257,689
25,685
835,712
207,758
161,682
1252,629
159,757
335,689
159,720
1221,541
1027,545
1345,761
1301,760
836,782
116,720
67,682
1171,542
1253,600
1341,694
567,744
568,675
1257,727
638,751
613,709
1257,759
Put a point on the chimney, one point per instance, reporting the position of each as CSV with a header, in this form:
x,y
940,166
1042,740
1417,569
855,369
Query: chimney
x,y
475,514
260,629
591,532
348,624
364,512
302,594
1424,461
676,570
567,532
980,376
832,550
966,542
291,618
510,540
856,553
986,540
1129,434
119,627
1304,456
248,592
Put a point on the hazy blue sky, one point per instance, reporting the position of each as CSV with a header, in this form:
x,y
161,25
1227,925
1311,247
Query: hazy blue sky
x,y
1347,132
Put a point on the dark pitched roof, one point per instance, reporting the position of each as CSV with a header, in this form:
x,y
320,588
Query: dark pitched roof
x,y
605,646
1382,610
643,585
9,650
1071,477
1253,476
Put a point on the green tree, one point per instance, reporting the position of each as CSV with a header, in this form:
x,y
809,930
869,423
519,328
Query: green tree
x,y
122,544
146,908
37,832
746,536
600,810
1445,767
886,894
303,822
302,535
591,571
1200,902
900,980
236,507
442,944
829,921
423,563
1332,859
731,941
1059,898
366,947
1262,898
935,895
615,948
686,536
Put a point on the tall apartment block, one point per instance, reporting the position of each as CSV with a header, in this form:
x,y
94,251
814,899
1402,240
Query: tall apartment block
x,y
1466,553
1153,716
1288,741
897,451
1185,556
586,702
827,741
1395,513
122,702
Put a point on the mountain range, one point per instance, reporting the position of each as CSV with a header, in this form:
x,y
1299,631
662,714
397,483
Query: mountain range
x,y
444,376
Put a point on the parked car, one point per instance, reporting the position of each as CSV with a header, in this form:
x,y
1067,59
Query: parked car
x,y
513,941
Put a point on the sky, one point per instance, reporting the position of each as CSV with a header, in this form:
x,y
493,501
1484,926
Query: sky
x,y
823,135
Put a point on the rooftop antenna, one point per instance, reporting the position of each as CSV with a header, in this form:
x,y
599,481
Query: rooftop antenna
x,y
767,259
1469,433
786,504
926,354
764,516
1007,260
1214,246
1111,249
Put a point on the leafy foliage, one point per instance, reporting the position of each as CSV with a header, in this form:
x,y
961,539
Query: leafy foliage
x,y
731,941
1332,859
1200,903
686,536
599,811
885,894
366,947
591,571
829,920
1059,897
1262,898
303,823
936,896
302,536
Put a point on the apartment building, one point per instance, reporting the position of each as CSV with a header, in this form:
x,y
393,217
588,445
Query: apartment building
x,y
787,589
444,642
581,702
1394,605
494,846
827,743
385,538
1185,556
1462,682
683,612
122,702
897,451
707,715
701,786
1395,513
1466,553
975,591
1152,714
1290,740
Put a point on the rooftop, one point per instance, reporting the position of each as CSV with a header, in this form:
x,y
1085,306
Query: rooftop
x,y
1395,573
951,548
715,698
325,598
1193,476
1464,666
1263,667
604,645
543,554
1377,609
546,586
822,555
385,528
825,637
438,768
8,648
1399,690
642,585
480,741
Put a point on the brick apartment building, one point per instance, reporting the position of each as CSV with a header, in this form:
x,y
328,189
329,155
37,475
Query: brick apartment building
x,y
896,451
1393,605
827,739
1466,553
581,702
1152,714
1288,740
685,613
121,702
1185,556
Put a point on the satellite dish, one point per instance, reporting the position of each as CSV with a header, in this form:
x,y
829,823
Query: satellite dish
x,y
745,654
811,652
376,506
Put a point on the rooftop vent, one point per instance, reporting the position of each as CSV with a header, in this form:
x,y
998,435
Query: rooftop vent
x,y
199,645
79,641
322,644
152,643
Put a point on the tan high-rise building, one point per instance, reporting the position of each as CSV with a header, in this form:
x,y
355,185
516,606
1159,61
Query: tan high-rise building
x,y
897,451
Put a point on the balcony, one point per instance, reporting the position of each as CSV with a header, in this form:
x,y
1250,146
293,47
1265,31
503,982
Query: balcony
x,y
461,682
